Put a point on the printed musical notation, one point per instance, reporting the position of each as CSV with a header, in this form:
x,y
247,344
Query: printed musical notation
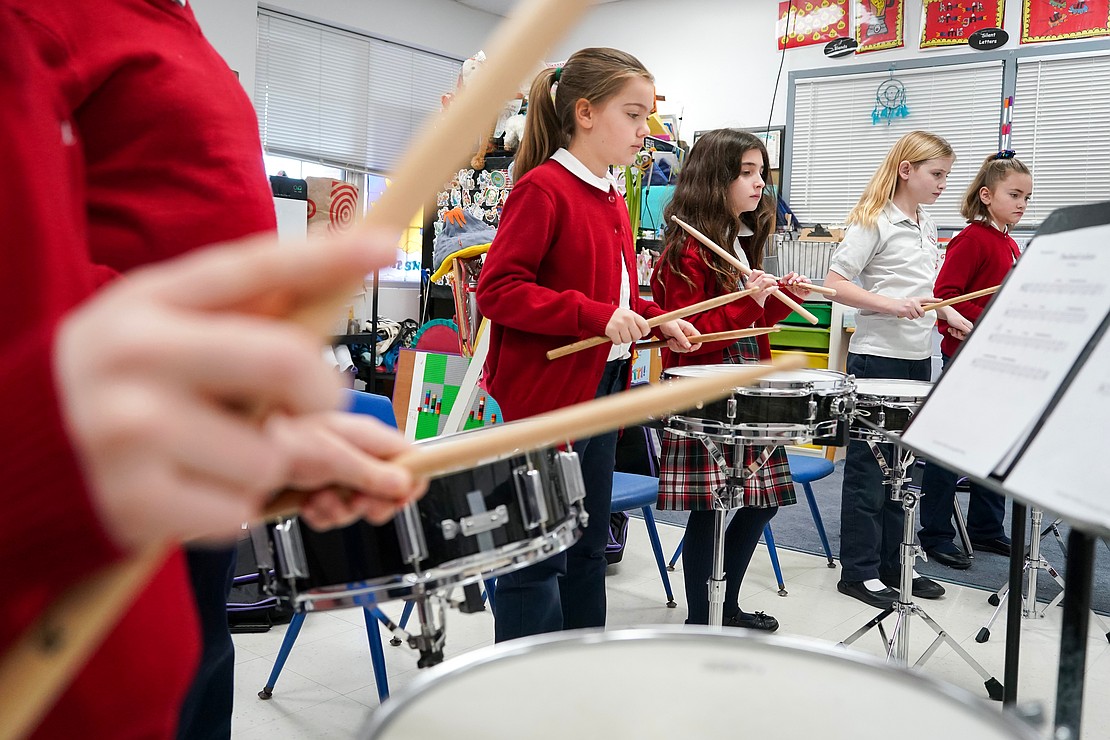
x,y
1021,350
1073,431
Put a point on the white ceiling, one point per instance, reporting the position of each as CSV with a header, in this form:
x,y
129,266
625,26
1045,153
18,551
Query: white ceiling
x,y
502,7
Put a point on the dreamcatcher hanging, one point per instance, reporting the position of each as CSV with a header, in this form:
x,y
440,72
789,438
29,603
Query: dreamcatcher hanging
x,y
890,100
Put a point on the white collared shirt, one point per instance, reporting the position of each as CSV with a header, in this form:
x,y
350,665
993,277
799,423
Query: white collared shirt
x,y
575,167
896,258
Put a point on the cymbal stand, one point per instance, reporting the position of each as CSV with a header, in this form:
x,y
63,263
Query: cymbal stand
x,y
897,645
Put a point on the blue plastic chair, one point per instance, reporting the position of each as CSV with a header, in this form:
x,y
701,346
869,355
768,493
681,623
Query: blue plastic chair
x,y
633,491
804,469
380,408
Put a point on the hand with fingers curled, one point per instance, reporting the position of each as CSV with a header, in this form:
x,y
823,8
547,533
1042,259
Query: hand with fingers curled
x,y
190,400
767,284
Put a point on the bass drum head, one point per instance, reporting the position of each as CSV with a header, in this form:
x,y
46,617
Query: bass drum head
x,y
681,683
820,380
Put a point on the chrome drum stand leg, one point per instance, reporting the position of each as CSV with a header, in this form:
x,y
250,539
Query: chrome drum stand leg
x,y
897,645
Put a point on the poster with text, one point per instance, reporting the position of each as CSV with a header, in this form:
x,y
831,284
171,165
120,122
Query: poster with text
x,y
806,22
879,24
948,23
1057,20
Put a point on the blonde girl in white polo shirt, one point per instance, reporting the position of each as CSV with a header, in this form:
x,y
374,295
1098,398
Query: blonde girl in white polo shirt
x,y
890,250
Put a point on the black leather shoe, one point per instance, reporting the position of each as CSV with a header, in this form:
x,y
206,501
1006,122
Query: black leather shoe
x,y
999,545
857,590
756,621
923,588
957,559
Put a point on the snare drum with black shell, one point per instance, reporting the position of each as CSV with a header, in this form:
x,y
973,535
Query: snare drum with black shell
x,y
479,523
783,407
884,407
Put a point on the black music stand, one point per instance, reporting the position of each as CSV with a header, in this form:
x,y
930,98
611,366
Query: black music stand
x,y
1033,371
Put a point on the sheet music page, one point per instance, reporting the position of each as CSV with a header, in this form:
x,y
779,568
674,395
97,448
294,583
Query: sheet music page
x,y
1059,470
989,398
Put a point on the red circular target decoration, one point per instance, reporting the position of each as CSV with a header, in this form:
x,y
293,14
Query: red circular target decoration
x,y
344,201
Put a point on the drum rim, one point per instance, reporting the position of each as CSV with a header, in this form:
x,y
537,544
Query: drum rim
x,y
833,380
472,661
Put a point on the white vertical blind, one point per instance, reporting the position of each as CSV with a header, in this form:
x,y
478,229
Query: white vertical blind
x,y
836,148
1062,131
342,98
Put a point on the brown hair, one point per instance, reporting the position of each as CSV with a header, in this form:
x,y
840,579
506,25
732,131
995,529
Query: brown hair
x,y
993,171
915,147
701,200
594,74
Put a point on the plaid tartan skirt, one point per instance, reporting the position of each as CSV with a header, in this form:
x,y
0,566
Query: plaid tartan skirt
x,y
688,476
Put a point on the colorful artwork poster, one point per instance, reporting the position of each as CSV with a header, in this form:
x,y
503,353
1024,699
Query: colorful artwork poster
x,y
948,23
807,22
879,25
1058,20
436,382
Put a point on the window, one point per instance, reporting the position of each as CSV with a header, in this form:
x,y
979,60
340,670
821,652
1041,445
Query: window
x,y
328,95
298,169
835,148
1061,129
406,268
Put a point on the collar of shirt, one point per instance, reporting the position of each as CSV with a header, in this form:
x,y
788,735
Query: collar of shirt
x,y
575,167
894,213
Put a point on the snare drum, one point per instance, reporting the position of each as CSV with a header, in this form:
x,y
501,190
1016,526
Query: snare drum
x,y
887,404
785,407
479,523
660,683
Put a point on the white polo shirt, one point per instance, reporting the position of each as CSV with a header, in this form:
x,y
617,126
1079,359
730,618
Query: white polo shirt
x,y
897,258
575,167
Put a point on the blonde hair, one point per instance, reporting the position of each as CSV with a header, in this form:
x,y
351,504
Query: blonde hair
x,y
594,74
995,169
915,147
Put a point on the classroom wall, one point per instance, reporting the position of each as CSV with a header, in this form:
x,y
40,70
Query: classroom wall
x,y
716,60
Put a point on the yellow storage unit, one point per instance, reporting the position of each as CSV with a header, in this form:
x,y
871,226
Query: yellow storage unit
x,y
813,359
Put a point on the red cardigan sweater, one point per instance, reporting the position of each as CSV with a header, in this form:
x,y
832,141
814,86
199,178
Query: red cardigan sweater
x,y
52,537
978,257
172,154
671,292
552,277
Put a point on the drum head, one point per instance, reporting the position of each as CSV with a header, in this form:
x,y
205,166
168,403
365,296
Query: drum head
x,y
681,683
892,388
784,379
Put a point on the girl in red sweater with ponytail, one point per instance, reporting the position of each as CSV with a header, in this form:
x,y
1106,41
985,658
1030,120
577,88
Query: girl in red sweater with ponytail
x,y
562,268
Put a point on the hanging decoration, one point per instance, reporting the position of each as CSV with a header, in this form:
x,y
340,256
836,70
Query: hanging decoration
x,y
949,23
807,22
1058,20
879,24
890,100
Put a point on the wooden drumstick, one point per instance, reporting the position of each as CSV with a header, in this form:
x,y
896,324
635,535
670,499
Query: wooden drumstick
x,y
721,300
713,247
718,336
38,667
960,299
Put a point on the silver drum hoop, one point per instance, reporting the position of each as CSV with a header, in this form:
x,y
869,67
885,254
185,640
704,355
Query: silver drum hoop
x,y
747,434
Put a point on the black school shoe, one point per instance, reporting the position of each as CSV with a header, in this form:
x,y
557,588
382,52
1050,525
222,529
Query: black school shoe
x,y
923,588
857,590
951,556
756,621
998,545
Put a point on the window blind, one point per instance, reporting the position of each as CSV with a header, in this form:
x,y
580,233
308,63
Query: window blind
x,y
342,98
1062,131
836,148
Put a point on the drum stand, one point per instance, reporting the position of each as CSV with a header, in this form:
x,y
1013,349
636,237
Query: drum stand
x,y
429,641
898,644
733,490
1034,563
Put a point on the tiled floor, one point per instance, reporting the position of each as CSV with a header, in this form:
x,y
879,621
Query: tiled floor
x,y
327,688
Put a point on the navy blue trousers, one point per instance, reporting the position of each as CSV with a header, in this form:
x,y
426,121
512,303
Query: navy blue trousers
x,y
870,523
567,591
206,712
